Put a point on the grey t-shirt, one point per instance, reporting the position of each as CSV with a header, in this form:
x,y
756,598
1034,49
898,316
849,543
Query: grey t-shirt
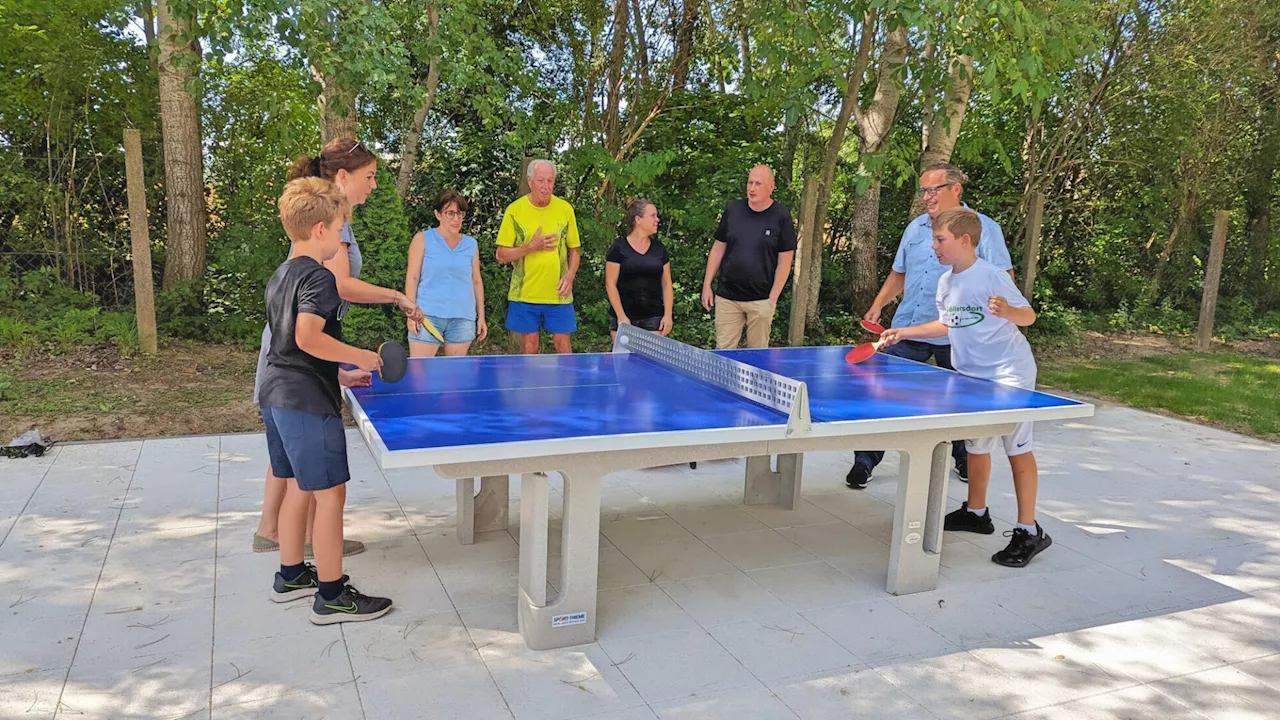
x,y
356,262
354,259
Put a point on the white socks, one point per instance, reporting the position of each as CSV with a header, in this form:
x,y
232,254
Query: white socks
x,y
1029,528
980,512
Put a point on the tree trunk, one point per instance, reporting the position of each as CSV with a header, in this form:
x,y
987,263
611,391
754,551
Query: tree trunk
x,y
642,43
149,32
831,157
612,125
1183,225
589,96
1260,193
178,64
744,43
413,134
713,38
683,55
800,267
863,240
874,126
787,161
337,107
943,127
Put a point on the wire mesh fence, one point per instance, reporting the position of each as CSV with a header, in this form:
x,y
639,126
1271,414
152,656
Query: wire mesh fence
x,y
104,272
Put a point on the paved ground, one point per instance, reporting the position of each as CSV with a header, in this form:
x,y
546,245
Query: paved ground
x,y
127,590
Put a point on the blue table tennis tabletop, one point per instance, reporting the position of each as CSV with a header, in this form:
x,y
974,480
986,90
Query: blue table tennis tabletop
x,y
448,402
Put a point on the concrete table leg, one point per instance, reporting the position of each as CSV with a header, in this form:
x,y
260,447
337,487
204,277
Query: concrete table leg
x,y
466,510
484,512
569,619
916,550
493,503
763,485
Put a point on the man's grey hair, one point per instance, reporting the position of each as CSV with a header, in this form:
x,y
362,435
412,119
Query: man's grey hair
x,y
954,174
533,165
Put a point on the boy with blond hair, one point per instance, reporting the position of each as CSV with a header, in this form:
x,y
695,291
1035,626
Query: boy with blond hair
x,y
301,404
980,311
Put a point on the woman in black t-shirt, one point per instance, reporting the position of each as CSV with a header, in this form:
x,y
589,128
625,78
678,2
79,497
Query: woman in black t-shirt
x,y
637,274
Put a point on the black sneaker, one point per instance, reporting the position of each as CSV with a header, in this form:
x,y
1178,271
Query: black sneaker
x,y
350,606
962,469
858,477
1022,547
964,521
302,586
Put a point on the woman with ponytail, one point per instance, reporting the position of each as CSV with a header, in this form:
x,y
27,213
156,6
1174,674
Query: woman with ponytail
x,y
637,274
350,166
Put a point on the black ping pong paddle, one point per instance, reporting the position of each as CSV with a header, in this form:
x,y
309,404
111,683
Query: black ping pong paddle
x,y
394,361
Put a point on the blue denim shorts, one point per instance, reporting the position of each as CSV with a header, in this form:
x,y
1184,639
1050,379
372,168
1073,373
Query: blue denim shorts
x,y
454,330
308,447
558,319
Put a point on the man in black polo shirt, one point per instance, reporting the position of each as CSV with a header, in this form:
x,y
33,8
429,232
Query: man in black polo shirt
x,y
754,246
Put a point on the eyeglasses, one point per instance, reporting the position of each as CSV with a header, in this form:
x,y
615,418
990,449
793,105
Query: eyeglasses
x,y
354,146
932,190
454,214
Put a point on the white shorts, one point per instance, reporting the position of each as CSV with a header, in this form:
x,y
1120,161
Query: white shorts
x,y
1015,443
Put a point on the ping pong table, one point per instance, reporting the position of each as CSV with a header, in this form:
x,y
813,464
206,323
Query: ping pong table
x,y
654,401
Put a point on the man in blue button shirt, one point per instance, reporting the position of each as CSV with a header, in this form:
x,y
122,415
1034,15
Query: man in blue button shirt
x,y
915,275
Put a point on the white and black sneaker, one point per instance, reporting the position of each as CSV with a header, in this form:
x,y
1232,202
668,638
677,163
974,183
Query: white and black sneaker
x,y
302,586
350,606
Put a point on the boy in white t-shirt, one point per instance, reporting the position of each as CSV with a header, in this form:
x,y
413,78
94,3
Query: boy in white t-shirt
x,y
980,311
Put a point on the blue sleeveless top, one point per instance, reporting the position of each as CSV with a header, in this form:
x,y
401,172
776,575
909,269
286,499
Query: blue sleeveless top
x,y
445,289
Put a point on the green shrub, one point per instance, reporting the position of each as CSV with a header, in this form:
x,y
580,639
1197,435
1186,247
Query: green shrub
x,y
16,333
180,312
121,330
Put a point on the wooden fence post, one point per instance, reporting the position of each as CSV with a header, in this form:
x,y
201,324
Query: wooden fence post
x,y
1212,275
143,289
1031,247
800,263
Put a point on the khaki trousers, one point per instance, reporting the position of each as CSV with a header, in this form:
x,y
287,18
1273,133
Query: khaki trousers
x,y
731,316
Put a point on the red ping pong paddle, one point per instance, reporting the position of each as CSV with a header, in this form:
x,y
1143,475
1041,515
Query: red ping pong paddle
x,y
394,361
871,327
861,352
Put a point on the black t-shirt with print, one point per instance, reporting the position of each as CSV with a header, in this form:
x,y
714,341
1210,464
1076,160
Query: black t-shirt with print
x,y
639,278
753,241
292,378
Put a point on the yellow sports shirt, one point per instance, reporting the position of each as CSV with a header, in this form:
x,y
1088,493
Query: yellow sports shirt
x,y
536,276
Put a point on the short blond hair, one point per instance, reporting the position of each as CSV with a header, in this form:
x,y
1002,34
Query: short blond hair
x,y
960,221
310,200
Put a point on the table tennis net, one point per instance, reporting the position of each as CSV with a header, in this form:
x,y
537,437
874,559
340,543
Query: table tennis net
x,y
761,386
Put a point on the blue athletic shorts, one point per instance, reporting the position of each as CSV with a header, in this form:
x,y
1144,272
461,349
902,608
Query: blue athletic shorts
x,y
558,319
454,330
308,447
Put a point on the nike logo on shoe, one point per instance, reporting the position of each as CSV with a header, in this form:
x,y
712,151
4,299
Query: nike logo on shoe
x,y
350,609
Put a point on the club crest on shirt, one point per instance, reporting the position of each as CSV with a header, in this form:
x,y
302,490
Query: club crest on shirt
x,y
962,316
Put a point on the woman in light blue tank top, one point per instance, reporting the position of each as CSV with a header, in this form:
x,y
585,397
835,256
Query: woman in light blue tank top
x,y
443,278
349,165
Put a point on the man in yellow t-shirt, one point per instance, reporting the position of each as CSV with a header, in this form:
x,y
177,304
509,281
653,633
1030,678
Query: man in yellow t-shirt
x,y
539,236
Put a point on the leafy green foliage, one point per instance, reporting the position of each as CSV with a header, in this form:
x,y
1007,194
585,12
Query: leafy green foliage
x,y
382,230
1179,121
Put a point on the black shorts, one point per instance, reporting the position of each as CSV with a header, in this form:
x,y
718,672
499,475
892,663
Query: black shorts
x,y
306,446
650,324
